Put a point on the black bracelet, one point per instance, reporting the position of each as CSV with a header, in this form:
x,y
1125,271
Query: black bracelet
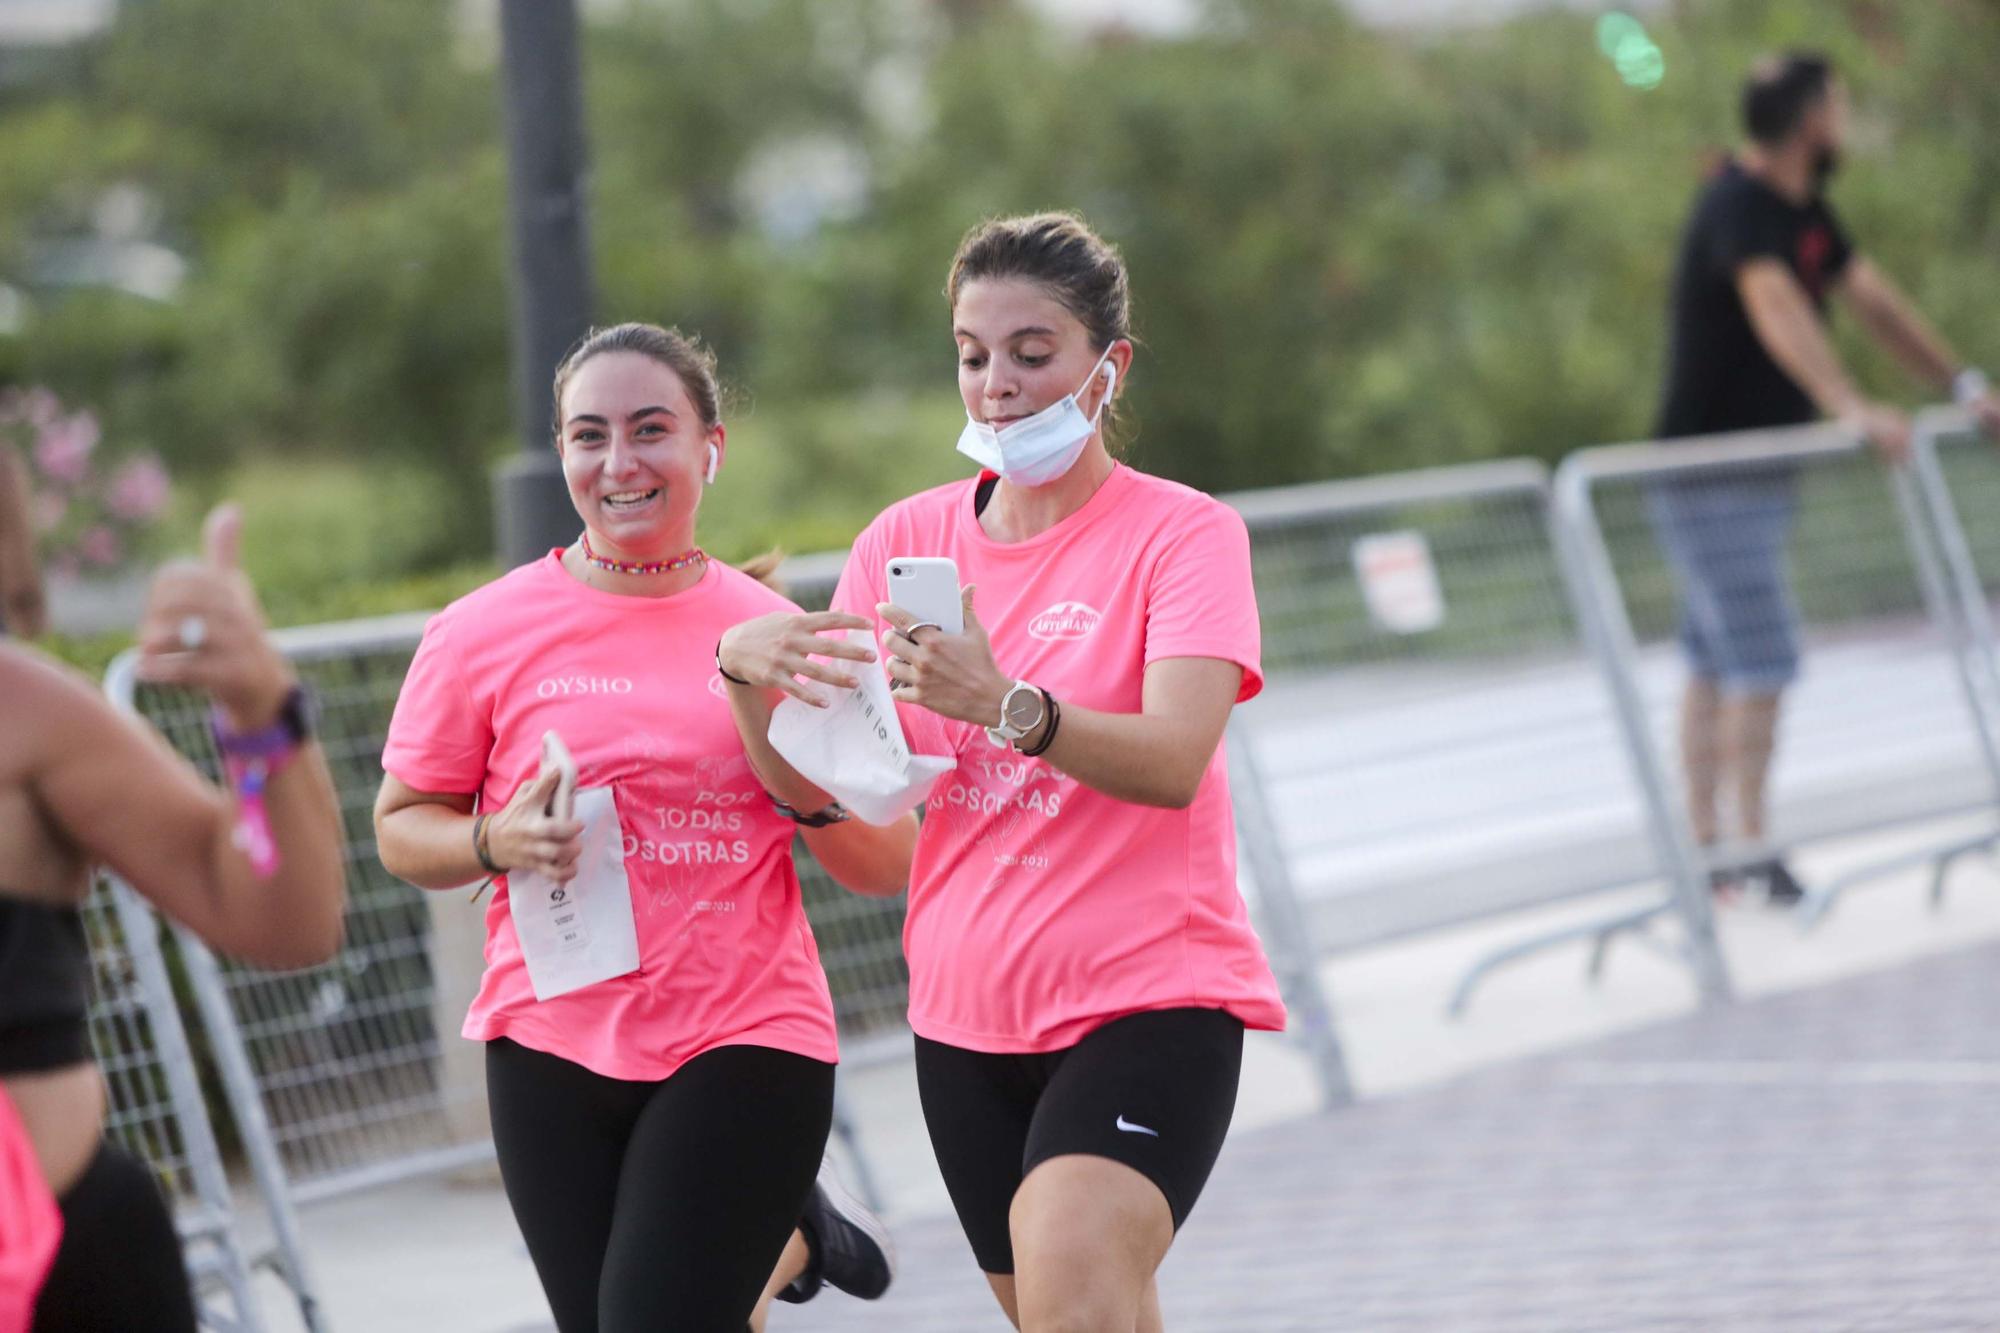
x,y
723,671
479,845
1048,735
834,813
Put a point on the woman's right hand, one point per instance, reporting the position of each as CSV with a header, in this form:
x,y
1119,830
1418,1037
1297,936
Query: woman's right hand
x,y
773,651
521,835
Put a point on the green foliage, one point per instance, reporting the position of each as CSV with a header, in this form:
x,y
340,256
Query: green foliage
x,y
1353,250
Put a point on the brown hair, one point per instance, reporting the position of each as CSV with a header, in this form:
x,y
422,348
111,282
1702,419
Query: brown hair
x,y
677,351
689,359
1062,254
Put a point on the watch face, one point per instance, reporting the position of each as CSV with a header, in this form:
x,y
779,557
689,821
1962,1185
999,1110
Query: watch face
x,y
1024,709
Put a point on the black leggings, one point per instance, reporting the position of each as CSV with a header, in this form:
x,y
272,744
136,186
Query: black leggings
x,y
658,1206
119,1265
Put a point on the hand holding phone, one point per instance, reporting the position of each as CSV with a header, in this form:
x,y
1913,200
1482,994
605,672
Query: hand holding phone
x,y
927,587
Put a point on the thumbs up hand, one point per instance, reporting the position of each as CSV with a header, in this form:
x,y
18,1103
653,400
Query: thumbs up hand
x,y
203,629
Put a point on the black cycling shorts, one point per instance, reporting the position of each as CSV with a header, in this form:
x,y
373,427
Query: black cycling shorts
x,y
1152,1090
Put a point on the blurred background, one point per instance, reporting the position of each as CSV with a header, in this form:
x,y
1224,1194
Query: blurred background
x,y
261,249
258,247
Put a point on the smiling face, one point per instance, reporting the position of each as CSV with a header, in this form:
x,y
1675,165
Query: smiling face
x,y
1020,349
635,455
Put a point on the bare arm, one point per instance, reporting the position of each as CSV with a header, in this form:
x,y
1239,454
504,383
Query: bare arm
x,y
771,652
22,608
1790,330
425,838
1155,757
1894,322
121,794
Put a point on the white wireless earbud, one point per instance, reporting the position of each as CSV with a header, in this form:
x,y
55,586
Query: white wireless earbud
x,y
714,461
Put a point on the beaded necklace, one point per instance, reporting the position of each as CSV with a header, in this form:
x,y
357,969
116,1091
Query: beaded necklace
x,y
692,556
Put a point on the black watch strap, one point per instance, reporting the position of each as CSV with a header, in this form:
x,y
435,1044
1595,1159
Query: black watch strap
x,y
833,813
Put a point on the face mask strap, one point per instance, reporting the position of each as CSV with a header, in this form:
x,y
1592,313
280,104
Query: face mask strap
x,y
1109,389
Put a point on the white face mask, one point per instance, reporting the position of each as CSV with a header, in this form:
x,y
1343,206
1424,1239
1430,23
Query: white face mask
x,y
1035,450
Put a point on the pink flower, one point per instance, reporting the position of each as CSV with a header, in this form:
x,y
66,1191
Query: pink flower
x,y
139,489
50,509
99,547
40,406
64,449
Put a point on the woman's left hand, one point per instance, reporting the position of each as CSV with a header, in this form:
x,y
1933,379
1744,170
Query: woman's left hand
x,y
953,675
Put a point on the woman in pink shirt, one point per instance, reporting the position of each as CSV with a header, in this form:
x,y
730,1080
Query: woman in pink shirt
x,y
1082,967
660,1041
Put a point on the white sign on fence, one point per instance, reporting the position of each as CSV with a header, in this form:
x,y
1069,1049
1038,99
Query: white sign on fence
x,y
1399,581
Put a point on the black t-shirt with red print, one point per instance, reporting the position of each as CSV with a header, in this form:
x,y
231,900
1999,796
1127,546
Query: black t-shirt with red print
x,y
1719,377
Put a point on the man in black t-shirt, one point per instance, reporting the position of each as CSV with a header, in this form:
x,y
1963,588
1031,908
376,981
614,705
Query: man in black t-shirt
x,y
1761,256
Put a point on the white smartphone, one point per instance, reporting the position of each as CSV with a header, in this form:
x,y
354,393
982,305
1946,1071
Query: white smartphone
x,y
927,587
556,755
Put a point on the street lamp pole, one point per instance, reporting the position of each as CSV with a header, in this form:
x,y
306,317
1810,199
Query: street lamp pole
x,y
542,108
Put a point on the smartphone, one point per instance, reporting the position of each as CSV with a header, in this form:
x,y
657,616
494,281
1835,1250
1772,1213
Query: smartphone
x,y
927,587
556,755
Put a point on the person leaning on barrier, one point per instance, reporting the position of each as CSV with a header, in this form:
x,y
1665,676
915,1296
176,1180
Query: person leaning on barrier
x,y
1760,258
1082,966
257,873
659,1126
22,609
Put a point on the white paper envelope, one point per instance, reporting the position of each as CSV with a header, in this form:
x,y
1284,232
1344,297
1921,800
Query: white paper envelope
x,y
854,747
577,934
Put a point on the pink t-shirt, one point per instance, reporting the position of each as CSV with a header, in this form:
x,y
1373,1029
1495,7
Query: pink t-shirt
x,y
1039,908
725,955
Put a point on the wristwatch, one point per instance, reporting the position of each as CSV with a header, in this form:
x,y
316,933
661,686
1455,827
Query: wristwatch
x,y
1022,708
833,813
297,719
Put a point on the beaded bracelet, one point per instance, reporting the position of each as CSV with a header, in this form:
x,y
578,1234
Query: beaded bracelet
x,y
479,848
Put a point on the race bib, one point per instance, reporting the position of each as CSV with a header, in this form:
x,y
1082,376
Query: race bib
x,y
580,933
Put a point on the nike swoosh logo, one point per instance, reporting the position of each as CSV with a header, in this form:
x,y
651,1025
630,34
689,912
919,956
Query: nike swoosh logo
x,y
1131,1128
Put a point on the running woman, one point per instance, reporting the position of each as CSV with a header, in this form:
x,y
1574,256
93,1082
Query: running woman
x,y
659,1130
1082,967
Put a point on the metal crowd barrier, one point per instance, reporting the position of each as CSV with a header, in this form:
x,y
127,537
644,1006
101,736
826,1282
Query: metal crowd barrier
x,y
156,1109
1805,544
1956,469
1436,743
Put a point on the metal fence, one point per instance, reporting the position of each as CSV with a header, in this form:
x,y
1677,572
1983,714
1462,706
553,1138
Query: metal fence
x,y
1957,470
1773,553
156,1108
1437,742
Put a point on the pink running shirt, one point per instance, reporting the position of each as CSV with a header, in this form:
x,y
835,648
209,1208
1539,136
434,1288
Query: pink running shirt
x,y
725,955
1039,908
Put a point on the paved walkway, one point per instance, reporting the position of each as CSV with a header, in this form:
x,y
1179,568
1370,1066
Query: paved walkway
x,y
1822,1160
1819,1157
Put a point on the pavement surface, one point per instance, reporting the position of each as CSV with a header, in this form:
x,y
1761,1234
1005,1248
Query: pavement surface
x,y
1821,1160
1818,1156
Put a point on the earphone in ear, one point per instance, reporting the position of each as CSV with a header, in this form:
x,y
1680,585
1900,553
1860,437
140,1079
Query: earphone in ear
x,y
714,461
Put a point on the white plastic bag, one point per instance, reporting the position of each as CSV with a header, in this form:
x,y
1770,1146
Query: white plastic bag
x,y
854,747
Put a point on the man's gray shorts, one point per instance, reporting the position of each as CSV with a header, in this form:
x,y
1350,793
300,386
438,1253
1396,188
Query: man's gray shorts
x,y
1725,538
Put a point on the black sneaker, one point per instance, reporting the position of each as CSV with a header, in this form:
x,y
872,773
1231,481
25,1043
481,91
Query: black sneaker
x,y
1781,889
849,1245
